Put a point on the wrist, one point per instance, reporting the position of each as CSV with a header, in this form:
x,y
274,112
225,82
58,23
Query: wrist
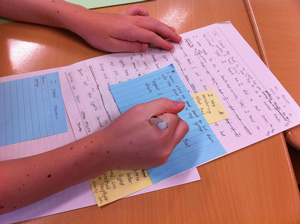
x,y
69,16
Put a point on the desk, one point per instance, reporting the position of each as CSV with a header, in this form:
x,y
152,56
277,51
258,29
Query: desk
x,y
278,23
252,185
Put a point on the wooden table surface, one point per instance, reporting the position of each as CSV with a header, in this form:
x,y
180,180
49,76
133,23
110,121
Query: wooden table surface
x,y
253,185
278,25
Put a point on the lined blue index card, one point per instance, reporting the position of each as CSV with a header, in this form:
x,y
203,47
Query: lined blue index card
x,y
200,145
31,108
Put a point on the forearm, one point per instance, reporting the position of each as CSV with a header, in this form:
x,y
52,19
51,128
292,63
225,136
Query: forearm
x,y
122,145
130,31
56,13
25,181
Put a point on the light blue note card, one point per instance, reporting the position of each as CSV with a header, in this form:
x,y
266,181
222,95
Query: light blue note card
x,y
31,108
200,145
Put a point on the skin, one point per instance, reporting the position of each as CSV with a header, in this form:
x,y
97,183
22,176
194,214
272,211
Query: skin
x,y
131,31
140,145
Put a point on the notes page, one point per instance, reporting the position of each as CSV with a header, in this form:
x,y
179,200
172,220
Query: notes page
x,y
31,108
214,57
198,146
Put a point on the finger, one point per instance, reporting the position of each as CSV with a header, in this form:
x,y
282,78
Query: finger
x,y
180,131
163,105
177,128
116,45
146,36
136,11
171,119
172,28
159,28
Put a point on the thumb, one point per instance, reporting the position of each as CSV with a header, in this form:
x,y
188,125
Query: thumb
x,y
163,105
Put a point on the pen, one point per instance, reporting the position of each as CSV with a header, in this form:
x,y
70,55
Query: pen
x,y
160,123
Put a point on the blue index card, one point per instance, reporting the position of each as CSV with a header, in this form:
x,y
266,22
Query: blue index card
x,y
200,145
31,108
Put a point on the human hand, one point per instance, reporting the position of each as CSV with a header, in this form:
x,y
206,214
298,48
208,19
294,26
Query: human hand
x,y
133,143
129,31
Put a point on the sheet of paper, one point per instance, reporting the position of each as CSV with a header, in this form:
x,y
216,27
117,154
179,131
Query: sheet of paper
x,y
198,146
116,184
31,108
210,106
215,57
90,4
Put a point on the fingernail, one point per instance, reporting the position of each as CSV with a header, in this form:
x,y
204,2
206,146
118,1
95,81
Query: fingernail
x,y
179,103
171,46
143,47
178,38
172,28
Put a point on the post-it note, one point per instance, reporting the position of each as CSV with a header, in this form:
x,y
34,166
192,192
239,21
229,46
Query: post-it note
x,y
31,108
210,106
116,184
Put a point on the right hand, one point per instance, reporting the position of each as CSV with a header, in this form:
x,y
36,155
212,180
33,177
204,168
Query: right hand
x,y
133,143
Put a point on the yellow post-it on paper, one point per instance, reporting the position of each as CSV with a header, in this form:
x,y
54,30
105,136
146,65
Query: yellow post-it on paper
x,y
116,184
210,106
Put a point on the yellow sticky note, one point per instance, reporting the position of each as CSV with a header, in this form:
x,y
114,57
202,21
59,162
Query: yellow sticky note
x,y
210,106
116,184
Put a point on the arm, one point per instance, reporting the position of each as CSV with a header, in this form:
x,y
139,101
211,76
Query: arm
x,y
139,145
130,31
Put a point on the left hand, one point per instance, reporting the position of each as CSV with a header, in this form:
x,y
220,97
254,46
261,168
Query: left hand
x,y
130,31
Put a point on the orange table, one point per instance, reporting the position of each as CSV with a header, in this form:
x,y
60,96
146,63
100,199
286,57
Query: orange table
x,y
278,24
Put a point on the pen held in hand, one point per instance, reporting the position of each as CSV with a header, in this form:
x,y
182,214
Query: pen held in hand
x,y
159,123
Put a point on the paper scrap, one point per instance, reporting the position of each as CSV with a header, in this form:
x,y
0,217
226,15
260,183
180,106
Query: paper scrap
x,y
116,184
90,4
210,106
4,20
31,108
